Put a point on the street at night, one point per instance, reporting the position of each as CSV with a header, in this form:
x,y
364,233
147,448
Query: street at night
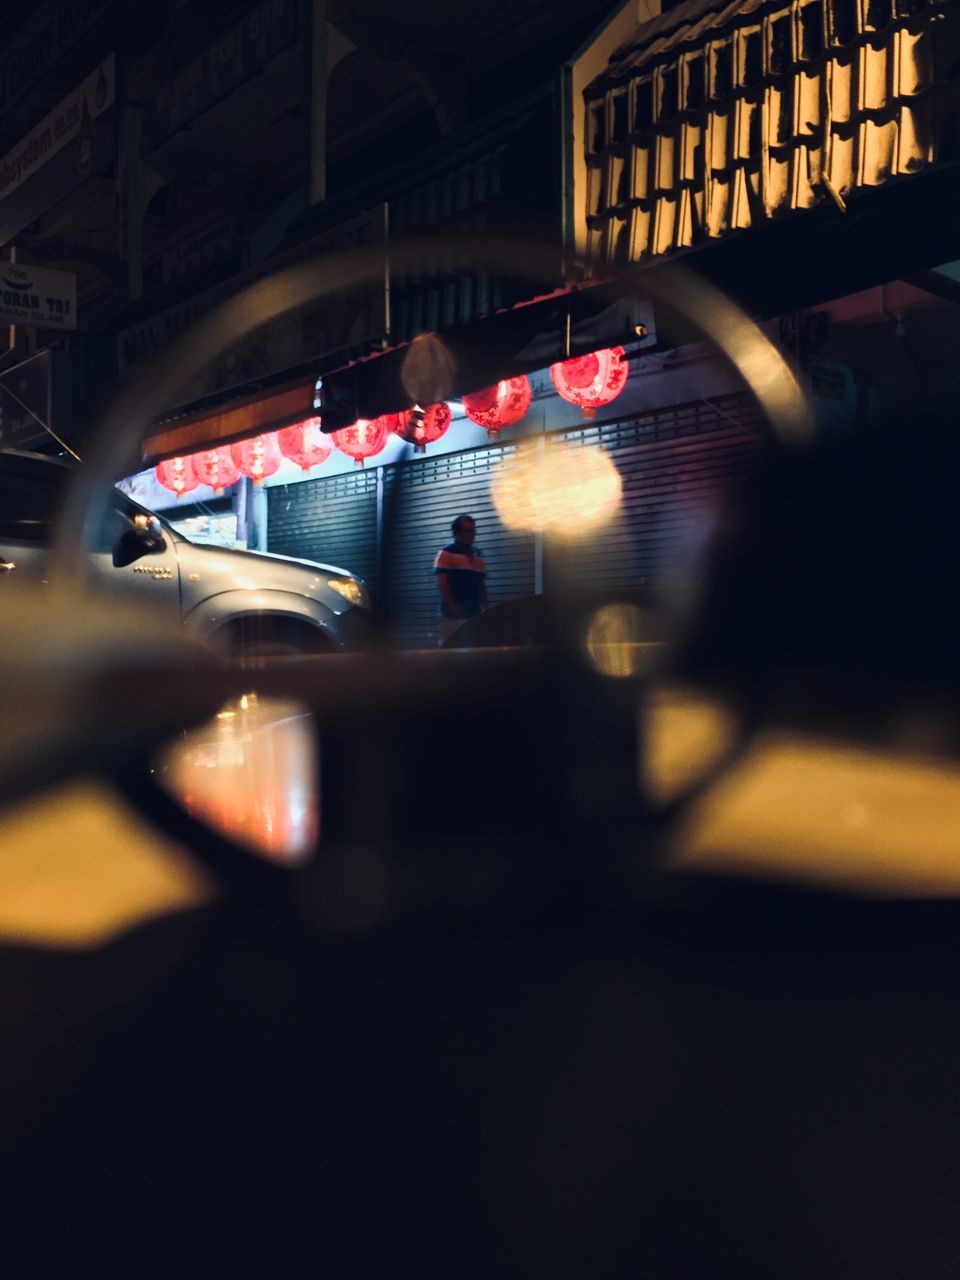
x,y
479,734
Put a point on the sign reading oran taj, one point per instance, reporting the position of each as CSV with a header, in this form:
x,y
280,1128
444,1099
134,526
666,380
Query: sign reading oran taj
x,y
38,296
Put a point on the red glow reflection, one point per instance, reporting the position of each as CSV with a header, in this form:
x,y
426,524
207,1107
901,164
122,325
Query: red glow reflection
x,y
252,775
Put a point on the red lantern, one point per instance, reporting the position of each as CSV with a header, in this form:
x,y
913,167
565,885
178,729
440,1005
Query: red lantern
x,y
364,439
593,380
501,405
258,458
421,427
216,468
305,444
177,474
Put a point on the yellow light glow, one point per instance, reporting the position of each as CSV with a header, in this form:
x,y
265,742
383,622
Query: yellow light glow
x,y
79,866
350,590
615,641
802,810
684,734
558,490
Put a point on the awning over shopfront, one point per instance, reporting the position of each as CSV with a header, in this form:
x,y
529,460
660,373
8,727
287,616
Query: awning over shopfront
x,y
720,116
480,354
246,416
477,355
502,174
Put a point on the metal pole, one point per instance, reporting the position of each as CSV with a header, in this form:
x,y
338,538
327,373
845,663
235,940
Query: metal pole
x,y
379,528
241,499
258,517
39,421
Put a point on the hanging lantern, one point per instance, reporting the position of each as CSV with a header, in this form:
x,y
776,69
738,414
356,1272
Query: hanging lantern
x,y
593,380
258,458
216,468
364,439
501,405
305,444
421,427
177,475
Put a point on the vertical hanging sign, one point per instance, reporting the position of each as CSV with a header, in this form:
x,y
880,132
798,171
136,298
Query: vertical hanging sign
x,y
37,296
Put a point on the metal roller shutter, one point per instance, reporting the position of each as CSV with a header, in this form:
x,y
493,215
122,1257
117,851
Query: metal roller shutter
x,y
674,463
333,520
430,494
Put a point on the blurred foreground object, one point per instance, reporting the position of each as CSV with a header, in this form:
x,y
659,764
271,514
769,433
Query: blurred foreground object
x,y
80,866
550,488
252,774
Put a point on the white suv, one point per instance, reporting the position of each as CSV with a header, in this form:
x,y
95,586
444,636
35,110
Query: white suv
x,y
245,602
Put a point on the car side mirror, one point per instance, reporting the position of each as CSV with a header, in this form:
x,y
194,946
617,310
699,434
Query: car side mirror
x,y
145,538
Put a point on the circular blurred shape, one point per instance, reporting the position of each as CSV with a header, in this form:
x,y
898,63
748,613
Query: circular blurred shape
x,y
552,489
429,370
615,641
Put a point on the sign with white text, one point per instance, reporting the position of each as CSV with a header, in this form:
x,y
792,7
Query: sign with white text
x,y
194,251
76,139
37,296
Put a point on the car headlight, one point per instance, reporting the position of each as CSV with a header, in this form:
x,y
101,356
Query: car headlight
x,y
351,590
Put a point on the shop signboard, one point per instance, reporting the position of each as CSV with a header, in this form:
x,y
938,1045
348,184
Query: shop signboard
x,y
51,29
237,55
356,318
77,138
37,296
201,247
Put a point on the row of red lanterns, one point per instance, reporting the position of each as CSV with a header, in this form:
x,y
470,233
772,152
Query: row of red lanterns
x,y
589,381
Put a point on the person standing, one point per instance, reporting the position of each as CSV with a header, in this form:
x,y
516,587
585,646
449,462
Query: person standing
x,y
461,578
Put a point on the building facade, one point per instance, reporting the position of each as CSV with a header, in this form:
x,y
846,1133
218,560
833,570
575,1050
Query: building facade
x,y
801,154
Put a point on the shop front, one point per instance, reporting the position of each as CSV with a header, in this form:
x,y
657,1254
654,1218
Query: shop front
x,y
678,430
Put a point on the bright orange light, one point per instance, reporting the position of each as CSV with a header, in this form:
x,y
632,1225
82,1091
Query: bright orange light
x,y
558,490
